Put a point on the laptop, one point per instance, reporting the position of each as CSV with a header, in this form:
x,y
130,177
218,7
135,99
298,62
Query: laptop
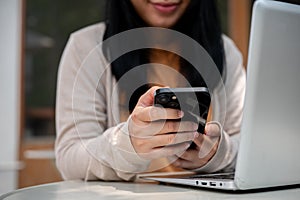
x,y
269,151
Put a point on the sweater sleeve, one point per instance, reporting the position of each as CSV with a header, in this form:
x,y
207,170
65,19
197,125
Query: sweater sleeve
x,y
86,147
228,118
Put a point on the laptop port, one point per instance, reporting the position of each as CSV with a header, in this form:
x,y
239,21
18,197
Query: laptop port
x,y
212,184
203,183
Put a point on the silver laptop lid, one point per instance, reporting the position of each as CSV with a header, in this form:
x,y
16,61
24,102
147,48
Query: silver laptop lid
x,y
269,152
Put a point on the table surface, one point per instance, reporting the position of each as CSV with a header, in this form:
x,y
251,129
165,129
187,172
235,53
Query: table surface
x,y
120,190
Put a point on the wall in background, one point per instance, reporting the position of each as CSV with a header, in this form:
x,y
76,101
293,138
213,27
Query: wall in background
x,y
10,62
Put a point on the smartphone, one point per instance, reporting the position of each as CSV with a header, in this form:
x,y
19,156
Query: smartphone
x,y
193,101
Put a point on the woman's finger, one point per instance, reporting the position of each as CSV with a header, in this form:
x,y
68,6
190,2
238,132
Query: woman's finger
x,y
149,129
187,164
184,126
147,99
189,155
172,139
165,151
212,129
153,113
205,144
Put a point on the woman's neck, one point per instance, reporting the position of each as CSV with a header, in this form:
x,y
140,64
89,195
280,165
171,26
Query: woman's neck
x,y
165,58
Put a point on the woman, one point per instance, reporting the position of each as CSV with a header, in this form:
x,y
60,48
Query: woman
x,y
100,137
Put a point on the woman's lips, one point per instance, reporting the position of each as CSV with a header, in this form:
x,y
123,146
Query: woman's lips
x,y
165,1
165,7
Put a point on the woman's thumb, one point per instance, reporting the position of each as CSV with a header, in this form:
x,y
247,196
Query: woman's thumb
x,y
213,129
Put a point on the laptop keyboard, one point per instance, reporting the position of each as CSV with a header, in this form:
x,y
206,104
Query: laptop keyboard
x,y
213,176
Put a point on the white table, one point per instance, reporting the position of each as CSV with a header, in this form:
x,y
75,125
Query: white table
x,y
140,191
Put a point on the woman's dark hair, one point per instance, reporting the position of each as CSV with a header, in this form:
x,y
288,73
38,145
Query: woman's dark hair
x,y
200,22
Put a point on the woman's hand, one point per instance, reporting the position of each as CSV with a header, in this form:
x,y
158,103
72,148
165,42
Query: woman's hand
x,y
153,131
206,147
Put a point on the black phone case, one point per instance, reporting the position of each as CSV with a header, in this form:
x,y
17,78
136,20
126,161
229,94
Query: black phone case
x,y
194,102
